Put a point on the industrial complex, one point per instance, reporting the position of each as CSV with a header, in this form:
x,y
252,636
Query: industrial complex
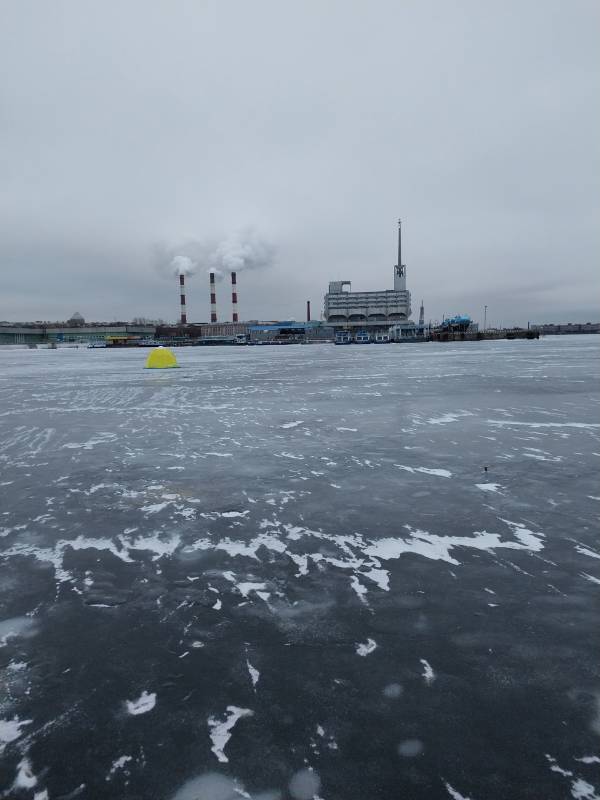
x,y
348,317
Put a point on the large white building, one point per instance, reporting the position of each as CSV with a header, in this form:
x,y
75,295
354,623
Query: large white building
x,y
345,309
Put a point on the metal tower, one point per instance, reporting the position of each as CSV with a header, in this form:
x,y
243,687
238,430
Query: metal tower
x,y
400,268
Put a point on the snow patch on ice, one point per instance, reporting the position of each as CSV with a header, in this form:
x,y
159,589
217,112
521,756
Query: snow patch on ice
x,y
428,673
590,578
545,424
145,702
10,729
254,673
366,648
14,627
582,790
586,551
437,547
220,730
360,590
441,473
379,576
154,508
26,779
117,765
450,417
246,587
454,794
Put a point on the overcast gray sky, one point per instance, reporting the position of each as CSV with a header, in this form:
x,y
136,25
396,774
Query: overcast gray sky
x,y
129,128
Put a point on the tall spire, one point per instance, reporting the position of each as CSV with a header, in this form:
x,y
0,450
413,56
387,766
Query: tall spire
x,y
400,268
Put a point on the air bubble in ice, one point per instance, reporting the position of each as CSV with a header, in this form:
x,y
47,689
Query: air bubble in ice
x,y
211,786
305,784
410,748
393,691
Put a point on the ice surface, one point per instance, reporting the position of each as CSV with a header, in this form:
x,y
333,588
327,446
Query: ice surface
x,y
168,534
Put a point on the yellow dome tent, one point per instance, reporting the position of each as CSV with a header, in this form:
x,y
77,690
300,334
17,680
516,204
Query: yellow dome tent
x,y
161,358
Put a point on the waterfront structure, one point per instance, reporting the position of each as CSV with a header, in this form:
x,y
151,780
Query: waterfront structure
x,y
348,310
289,332
559,329
32,334
407,332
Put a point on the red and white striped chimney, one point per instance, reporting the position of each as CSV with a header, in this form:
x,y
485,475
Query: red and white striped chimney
x,y
213,298
234,305
182,298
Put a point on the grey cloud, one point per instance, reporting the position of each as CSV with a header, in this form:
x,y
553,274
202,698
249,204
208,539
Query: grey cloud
x,y
314,124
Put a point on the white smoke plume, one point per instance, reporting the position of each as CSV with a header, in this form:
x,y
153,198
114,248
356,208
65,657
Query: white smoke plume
x,y
184,258
241,251
182,265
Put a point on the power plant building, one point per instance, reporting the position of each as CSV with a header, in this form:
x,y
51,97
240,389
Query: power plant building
x,y
348,310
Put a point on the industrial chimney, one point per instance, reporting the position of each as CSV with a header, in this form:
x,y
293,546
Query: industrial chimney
x,y
182,298
234,305
213,298
308,310
422,315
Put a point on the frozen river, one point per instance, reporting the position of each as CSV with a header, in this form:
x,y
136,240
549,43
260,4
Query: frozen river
x,y
286,573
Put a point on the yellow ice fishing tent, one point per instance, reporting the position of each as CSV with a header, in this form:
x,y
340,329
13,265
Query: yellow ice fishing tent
x,y
161,358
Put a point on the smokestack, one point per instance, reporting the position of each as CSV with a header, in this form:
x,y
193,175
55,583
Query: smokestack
x,y
213,298
182,298
422,315
234,306
308,310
